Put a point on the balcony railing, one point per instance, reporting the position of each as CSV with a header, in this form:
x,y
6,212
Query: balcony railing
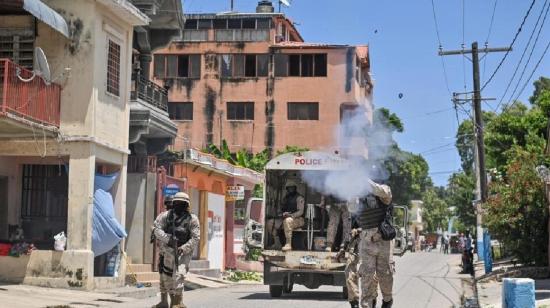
x,y
149,92
26,95
141,164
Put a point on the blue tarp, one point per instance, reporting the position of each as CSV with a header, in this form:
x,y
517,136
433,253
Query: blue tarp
x,y
107,232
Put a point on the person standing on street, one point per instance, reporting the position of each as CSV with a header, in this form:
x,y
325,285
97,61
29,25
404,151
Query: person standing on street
x,y
446,250
178,232
375,253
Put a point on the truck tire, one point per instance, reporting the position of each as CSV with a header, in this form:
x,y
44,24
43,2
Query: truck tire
x,y
345,292
275,291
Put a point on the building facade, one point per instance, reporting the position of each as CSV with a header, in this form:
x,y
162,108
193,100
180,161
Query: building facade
x,y
58,132
250,79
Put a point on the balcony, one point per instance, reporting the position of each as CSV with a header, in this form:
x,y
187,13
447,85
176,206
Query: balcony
x,y
142,164
151,130
26,101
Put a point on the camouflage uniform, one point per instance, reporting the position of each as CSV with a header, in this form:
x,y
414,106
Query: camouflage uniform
x,y
172,281
376,257
294,221
337,210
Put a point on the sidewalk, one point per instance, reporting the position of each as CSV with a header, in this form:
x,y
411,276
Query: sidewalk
x,y
489,287
40,297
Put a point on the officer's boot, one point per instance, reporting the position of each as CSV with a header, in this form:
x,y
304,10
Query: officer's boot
x,y
354,304
387,304
288,244
329,247
276,243
175,301
163,301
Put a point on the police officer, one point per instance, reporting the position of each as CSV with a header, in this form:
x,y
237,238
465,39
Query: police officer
x,y
178,232
337,209
352,267
292,218
375,253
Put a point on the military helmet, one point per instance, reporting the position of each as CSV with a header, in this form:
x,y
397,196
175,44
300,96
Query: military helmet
x,y
180,199
291,182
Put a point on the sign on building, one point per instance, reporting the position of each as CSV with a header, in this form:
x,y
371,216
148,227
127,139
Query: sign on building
x,y
170,189
234,193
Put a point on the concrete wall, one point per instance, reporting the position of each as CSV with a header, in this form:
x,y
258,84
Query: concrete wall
x,y
270,127
140,212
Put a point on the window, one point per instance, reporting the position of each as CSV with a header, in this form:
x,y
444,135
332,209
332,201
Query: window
x,y
205,24
113,68
241,65
177,66
45,192
180,111
303,111
191,24
300,65
220,24
18,47
249,23
234,23
240,111
263,23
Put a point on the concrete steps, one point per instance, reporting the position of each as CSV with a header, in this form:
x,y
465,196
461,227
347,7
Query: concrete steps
x,y
202,268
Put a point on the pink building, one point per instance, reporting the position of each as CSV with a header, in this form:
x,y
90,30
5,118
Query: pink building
x,y
250,78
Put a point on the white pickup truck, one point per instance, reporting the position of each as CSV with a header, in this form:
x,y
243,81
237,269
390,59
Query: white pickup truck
x,y
307,263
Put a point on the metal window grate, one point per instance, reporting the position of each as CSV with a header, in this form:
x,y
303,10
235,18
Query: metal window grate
x,y
44,192
113,68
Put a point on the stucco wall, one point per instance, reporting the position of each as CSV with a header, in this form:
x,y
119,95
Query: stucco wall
x,y
270,95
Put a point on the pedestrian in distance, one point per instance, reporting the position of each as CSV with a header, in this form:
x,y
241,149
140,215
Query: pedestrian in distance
x,y
375,249
442,247
446,250
178,233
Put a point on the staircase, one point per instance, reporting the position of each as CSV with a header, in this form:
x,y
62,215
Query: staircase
x,y
143,274
202,267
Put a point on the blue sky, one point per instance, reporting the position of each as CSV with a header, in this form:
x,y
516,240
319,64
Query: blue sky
x,y
403,50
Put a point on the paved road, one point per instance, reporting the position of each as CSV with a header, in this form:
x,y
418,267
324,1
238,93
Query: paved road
x,y
422,280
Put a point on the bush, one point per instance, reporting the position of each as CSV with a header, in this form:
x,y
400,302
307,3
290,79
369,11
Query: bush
x,y
517,213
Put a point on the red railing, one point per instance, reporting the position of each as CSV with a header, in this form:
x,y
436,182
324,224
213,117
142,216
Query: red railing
x,y
26,96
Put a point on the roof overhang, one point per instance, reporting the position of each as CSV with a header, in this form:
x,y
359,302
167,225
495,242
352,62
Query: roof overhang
x,y
39,10
127,11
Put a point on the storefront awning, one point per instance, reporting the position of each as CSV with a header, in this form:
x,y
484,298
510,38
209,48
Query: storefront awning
x,y
47,15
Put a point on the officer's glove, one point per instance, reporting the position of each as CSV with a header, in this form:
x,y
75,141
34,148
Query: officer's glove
x,y
355,232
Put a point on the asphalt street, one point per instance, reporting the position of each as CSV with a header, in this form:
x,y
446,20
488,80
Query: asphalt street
x,y
422,280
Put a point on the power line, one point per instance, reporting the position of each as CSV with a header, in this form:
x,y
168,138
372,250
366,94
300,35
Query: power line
x,y
523,54
440,47
511,45
533,71
530,55
463,39
491,23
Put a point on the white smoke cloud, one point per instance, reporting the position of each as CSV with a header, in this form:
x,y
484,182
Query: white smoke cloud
x,y
366,145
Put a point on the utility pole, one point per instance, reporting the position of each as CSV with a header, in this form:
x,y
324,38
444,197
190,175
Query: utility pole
x,y
232,5
481,174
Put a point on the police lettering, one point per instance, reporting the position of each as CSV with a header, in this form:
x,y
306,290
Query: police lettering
x,y
307,161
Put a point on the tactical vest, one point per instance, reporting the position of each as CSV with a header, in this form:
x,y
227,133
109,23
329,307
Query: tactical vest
x,y
372,212
182,226
290,203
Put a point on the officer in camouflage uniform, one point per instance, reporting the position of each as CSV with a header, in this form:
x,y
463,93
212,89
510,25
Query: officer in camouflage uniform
x,y
292,207
352,267
178,232
375,253
337,209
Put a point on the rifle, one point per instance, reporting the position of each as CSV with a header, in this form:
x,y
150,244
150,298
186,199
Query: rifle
x,y
348,245
175,240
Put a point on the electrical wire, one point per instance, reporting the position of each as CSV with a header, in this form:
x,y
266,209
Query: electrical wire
x,y
524,53
511,45
533,71
487,39
440,48
463,43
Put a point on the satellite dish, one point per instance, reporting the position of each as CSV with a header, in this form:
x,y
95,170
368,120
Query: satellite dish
x,y
41,66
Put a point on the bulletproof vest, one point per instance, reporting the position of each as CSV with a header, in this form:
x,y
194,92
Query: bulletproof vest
x,y
290,203
372,212
179,226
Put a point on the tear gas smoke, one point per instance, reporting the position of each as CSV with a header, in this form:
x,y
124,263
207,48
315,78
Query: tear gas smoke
x,y
366,144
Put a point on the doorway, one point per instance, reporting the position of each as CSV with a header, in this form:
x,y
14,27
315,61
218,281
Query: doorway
x,y
3,207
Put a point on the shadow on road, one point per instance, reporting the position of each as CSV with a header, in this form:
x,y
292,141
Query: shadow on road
x,y
305,295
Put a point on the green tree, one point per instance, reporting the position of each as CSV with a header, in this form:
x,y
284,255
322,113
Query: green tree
x,y
517,212
408,176
460,194
436,213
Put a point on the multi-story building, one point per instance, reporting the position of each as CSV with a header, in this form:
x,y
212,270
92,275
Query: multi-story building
x,y
251,79
57,133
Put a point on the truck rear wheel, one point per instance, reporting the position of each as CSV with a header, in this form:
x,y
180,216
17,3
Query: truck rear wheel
x,y
275,291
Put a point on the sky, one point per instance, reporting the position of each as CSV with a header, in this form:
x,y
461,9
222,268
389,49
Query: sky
x,y
401,35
